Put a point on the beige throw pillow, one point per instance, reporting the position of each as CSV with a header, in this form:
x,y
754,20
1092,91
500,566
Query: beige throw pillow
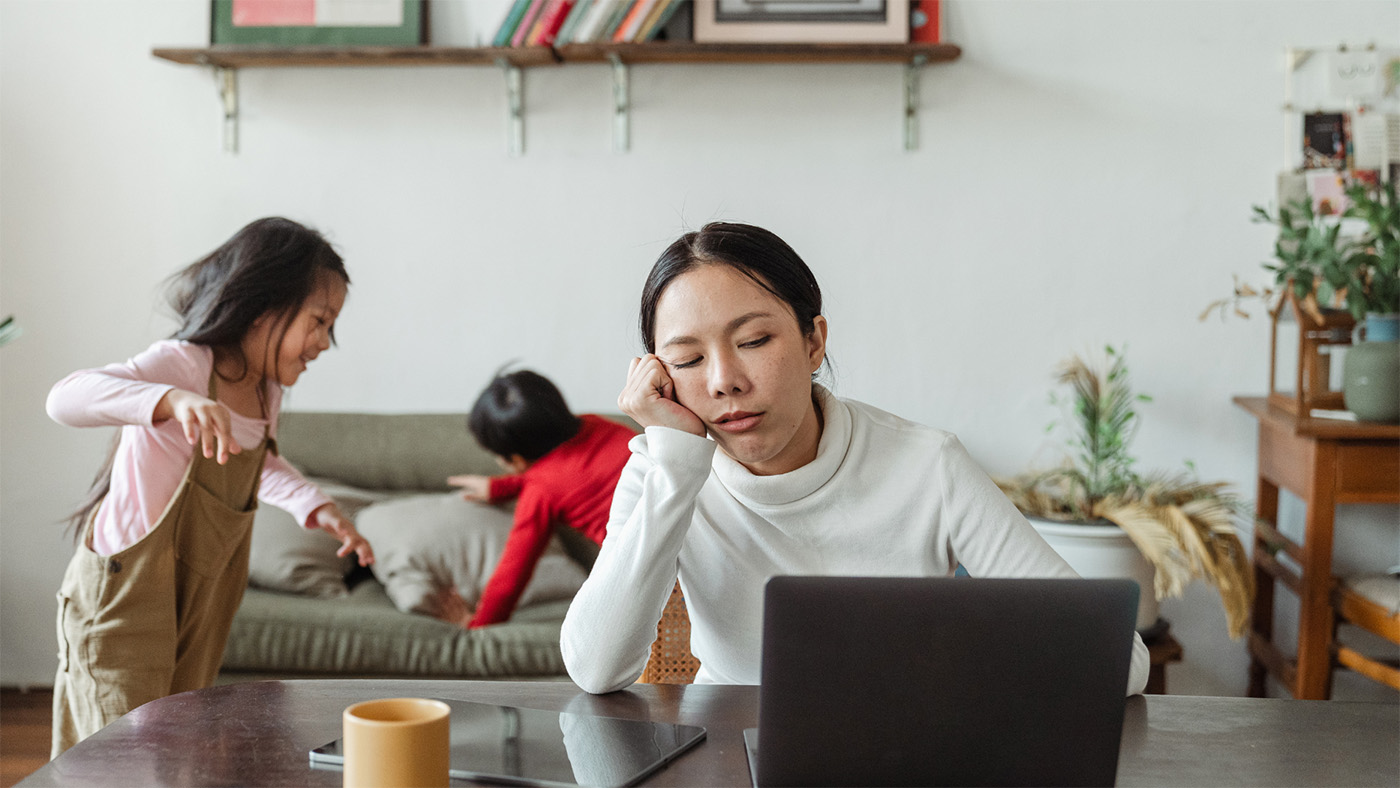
x,y
428,542
287,557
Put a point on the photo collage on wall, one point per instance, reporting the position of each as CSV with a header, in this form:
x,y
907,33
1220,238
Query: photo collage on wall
x,y
1351,134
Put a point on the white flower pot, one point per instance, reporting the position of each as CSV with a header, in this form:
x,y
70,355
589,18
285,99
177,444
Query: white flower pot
x,y
1103,551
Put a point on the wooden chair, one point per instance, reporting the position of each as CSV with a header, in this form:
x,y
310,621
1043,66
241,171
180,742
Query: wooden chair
x,y
1371,602
671,661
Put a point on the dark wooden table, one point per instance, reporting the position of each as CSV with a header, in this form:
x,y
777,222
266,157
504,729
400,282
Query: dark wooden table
x,y
259,733
1325,462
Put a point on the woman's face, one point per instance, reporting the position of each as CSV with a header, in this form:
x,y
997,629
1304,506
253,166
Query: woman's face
x,y
739,361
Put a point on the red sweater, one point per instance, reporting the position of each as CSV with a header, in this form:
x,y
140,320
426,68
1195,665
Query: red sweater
x,y
572,484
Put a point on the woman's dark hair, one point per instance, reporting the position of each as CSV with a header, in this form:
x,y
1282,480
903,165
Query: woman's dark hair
x,y
270,267
522,413
753,251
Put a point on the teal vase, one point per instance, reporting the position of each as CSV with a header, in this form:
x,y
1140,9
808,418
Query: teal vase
x,y
1371,372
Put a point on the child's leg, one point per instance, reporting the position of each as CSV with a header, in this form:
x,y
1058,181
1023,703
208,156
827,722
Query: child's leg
x,y
115,640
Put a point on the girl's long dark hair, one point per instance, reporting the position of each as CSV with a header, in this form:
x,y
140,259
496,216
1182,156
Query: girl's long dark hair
x,y
270,267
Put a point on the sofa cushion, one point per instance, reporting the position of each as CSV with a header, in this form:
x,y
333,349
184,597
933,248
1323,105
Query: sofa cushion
x,y
288,557
361,634
429,542
379,451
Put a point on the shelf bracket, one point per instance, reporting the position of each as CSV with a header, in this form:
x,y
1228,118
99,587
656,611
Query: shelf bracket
x,y
622,105
911,101
515,95
227,80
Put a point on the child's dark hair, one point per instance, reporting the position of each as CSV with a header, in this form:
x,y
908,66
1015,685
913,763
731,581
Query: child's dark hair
x,y
523,413
271,266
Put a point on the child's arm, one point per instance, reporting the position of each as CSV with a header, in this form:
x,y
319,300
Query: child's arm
x,y
284,487
330,519
487,489
529,536
129,392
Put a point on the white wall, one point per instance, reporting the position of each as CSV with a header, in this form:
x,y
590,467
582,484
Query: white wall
x,y
1085,176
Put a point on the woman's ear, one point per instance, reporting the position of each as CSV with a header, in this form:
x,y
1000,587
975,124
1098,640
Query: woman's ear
x,y
816,343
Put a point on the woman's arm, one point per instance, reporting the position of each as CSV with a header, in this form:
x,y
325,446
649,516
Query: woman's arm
x,y
991,538
611,624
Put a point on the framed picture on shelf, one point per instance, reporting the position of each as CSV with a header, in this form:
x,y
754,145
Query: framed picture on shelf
x,y
319,22
802,21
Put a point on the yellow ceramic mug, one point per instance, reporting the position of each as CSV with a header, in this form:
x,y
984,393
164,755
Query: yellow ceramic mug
x,y
399,742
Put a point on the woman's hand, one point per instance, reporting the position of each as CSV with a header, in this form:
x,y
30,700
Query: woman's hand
x,y
204,421
649,397
329,519
448,605
474,487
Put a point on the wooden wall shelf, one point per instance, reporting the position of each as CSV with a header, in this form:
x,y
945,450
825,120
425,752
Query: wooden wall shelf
x,y
227,59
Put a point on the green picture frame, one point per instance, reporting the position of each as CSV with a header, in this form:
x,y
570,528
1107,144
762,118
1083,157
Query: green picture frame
x,y
413,31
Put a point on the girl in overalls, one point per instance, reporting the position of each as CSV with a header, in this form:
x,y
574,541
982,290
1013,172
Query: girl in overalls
x,y
162,559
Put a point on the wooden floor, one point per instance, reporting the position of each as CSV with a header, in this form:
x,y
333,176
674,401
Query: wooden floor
x,y
24,733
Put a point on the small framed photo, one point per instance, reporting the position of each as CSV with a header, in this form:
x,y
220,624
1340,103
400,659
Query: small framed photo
x,y
802,21
319,22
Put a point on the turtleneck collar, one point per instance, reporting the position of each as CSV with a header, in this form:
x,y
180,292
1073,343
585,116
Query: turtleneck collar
x,y
795,485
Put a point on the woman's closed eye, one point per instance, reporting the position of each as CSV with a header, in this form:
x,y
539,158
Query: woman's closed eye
x,y
760,342
684,364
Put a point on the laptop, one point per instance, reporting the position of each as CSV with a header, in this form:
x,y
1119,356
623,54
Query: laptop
x,y
942,681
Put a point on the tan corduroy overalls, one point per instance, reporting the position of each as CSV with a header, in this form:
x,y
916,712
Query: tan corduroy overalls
x,y
152,620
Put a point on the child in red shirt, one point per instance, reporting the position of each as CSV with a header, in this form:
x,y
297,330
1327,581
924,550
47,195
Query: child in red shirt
x,y
564,469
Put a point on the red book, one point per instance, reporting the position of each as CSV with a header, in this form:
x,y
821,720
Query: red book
x,y
553,19
924,23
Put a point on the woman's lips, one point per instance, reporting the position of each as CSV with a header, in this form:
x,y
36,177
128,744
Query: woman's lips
x,y
738,422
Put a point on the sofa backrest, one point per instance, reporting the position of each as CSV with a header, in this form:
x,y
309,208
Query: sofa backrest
x,y
381,451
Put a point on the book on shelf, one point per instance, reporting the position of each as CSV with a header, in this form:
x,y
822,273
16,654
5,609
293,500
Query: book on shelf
x,y
571,23
649,24
527,23
509,23
619,12
551,19
593,21
633,21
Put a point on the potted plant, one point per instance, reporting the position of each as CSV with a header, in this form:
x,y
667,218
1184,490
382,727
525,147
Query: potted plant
x,y
1369,277
1106,519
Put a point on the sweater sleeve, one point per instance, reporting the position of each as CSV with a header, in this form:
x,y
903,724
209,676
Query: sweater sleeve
x,y
284,487
608,631
127,392
991,538
529,536
504,487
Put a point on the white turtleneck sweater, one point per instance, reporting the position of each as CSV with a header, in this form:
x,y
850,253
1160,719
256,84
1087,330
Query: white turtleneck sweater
x,y
884,497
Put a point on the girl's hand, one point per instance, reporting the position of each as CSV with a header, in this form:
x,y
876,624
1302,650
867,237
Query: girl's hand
x,y
448,605
329,519
204,420
474,488
649,397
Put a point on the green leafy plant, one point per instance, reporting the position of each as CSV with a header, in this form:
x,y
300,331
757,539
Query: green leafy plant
x,y
1325,268
1369,274
1184,527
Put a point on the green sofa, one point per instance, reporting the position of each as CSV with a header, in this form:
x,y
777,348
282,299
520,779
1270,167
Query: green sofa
x,y
307,614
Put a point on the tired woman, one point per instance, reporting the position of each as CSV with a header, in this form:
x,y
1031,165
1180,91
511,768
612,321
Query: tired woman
x,y
749,469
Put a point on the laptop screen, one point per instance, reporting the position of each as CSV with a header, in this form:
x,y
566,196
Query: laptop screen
x,y
943,681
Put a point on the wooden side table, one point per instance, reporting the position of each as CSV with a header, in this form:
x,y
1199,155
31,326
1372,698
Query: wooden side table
x,y
1161,650
1325,462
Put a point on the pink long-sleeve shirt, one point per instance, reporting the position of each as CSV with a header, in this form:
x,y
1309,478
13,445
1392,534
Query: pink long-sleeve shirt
x,y
152,458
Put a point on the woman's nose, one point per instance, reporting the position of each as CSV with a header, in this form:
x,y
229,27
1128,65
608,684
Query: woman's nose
x,y
727,375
